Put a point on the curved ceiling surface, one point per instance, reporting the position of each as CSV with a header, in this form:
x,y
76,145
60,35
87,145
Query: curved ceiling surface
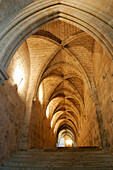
x,y
61,64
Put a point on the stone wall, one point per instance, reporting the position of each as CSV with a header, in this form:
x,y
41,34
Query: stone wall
x,y
12,102
103,74
40,131
9,9
89,130
12,7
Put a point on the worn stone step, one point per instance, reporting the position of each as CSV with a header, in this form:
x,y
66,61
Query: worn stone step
x,y
61,149
64,150
60,160
58,168
61,156
62,153
70,159
92,148
81,163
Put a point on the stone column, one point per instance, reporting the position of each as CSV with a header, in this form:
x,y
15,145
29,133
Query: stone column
x,y
3,75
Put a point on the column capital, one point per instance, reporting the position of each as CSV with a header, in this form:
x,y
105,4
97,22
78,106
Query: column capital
x,y
3,75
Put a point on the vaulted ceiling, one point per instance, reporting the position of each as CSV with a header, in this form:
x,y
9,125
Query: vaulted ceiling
x,y
61,64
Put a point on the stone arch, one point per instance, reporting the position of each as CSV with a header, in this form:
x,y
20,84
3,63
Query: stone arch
x,y
38,15
20,28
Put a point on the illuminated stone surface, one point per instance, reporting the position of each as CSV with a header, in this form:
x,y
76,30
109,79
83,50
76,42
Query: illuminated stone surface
x,y
58,56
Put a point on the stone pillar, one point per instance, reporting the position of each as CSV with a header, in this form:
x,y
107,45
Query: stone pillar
x,y
3,75
103,136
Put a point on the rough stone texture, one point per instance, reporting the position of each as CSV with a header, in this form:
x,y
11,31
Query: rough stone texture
x,y
12,7
72,67
103,74
12,104
40,132
60,158
89,129
9,9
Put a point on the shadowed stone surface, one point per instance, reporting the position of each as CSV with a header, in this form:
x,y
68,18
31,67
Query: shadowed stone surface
x,y
59,60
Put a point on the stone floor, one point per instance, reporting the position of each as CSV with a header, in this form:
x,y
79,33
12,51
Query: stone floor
x,y
60,158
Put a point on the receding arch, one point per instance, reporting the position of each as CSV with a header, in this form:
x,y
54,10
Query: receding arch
x,y
65,122
69,93
55,102
64,128
58,115
24,29
63,80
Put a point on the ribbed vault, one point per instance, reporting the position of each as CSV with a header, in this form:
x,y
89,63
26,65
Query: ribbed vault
x,y
67,59
58,57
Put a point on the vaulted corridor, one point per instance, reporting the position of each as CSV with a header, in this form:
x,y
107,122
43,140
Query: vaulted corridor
x,y
56,77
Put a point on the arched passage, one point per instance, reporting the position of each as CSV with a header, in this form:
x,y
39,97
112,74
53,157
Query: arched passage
x,y
20,29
